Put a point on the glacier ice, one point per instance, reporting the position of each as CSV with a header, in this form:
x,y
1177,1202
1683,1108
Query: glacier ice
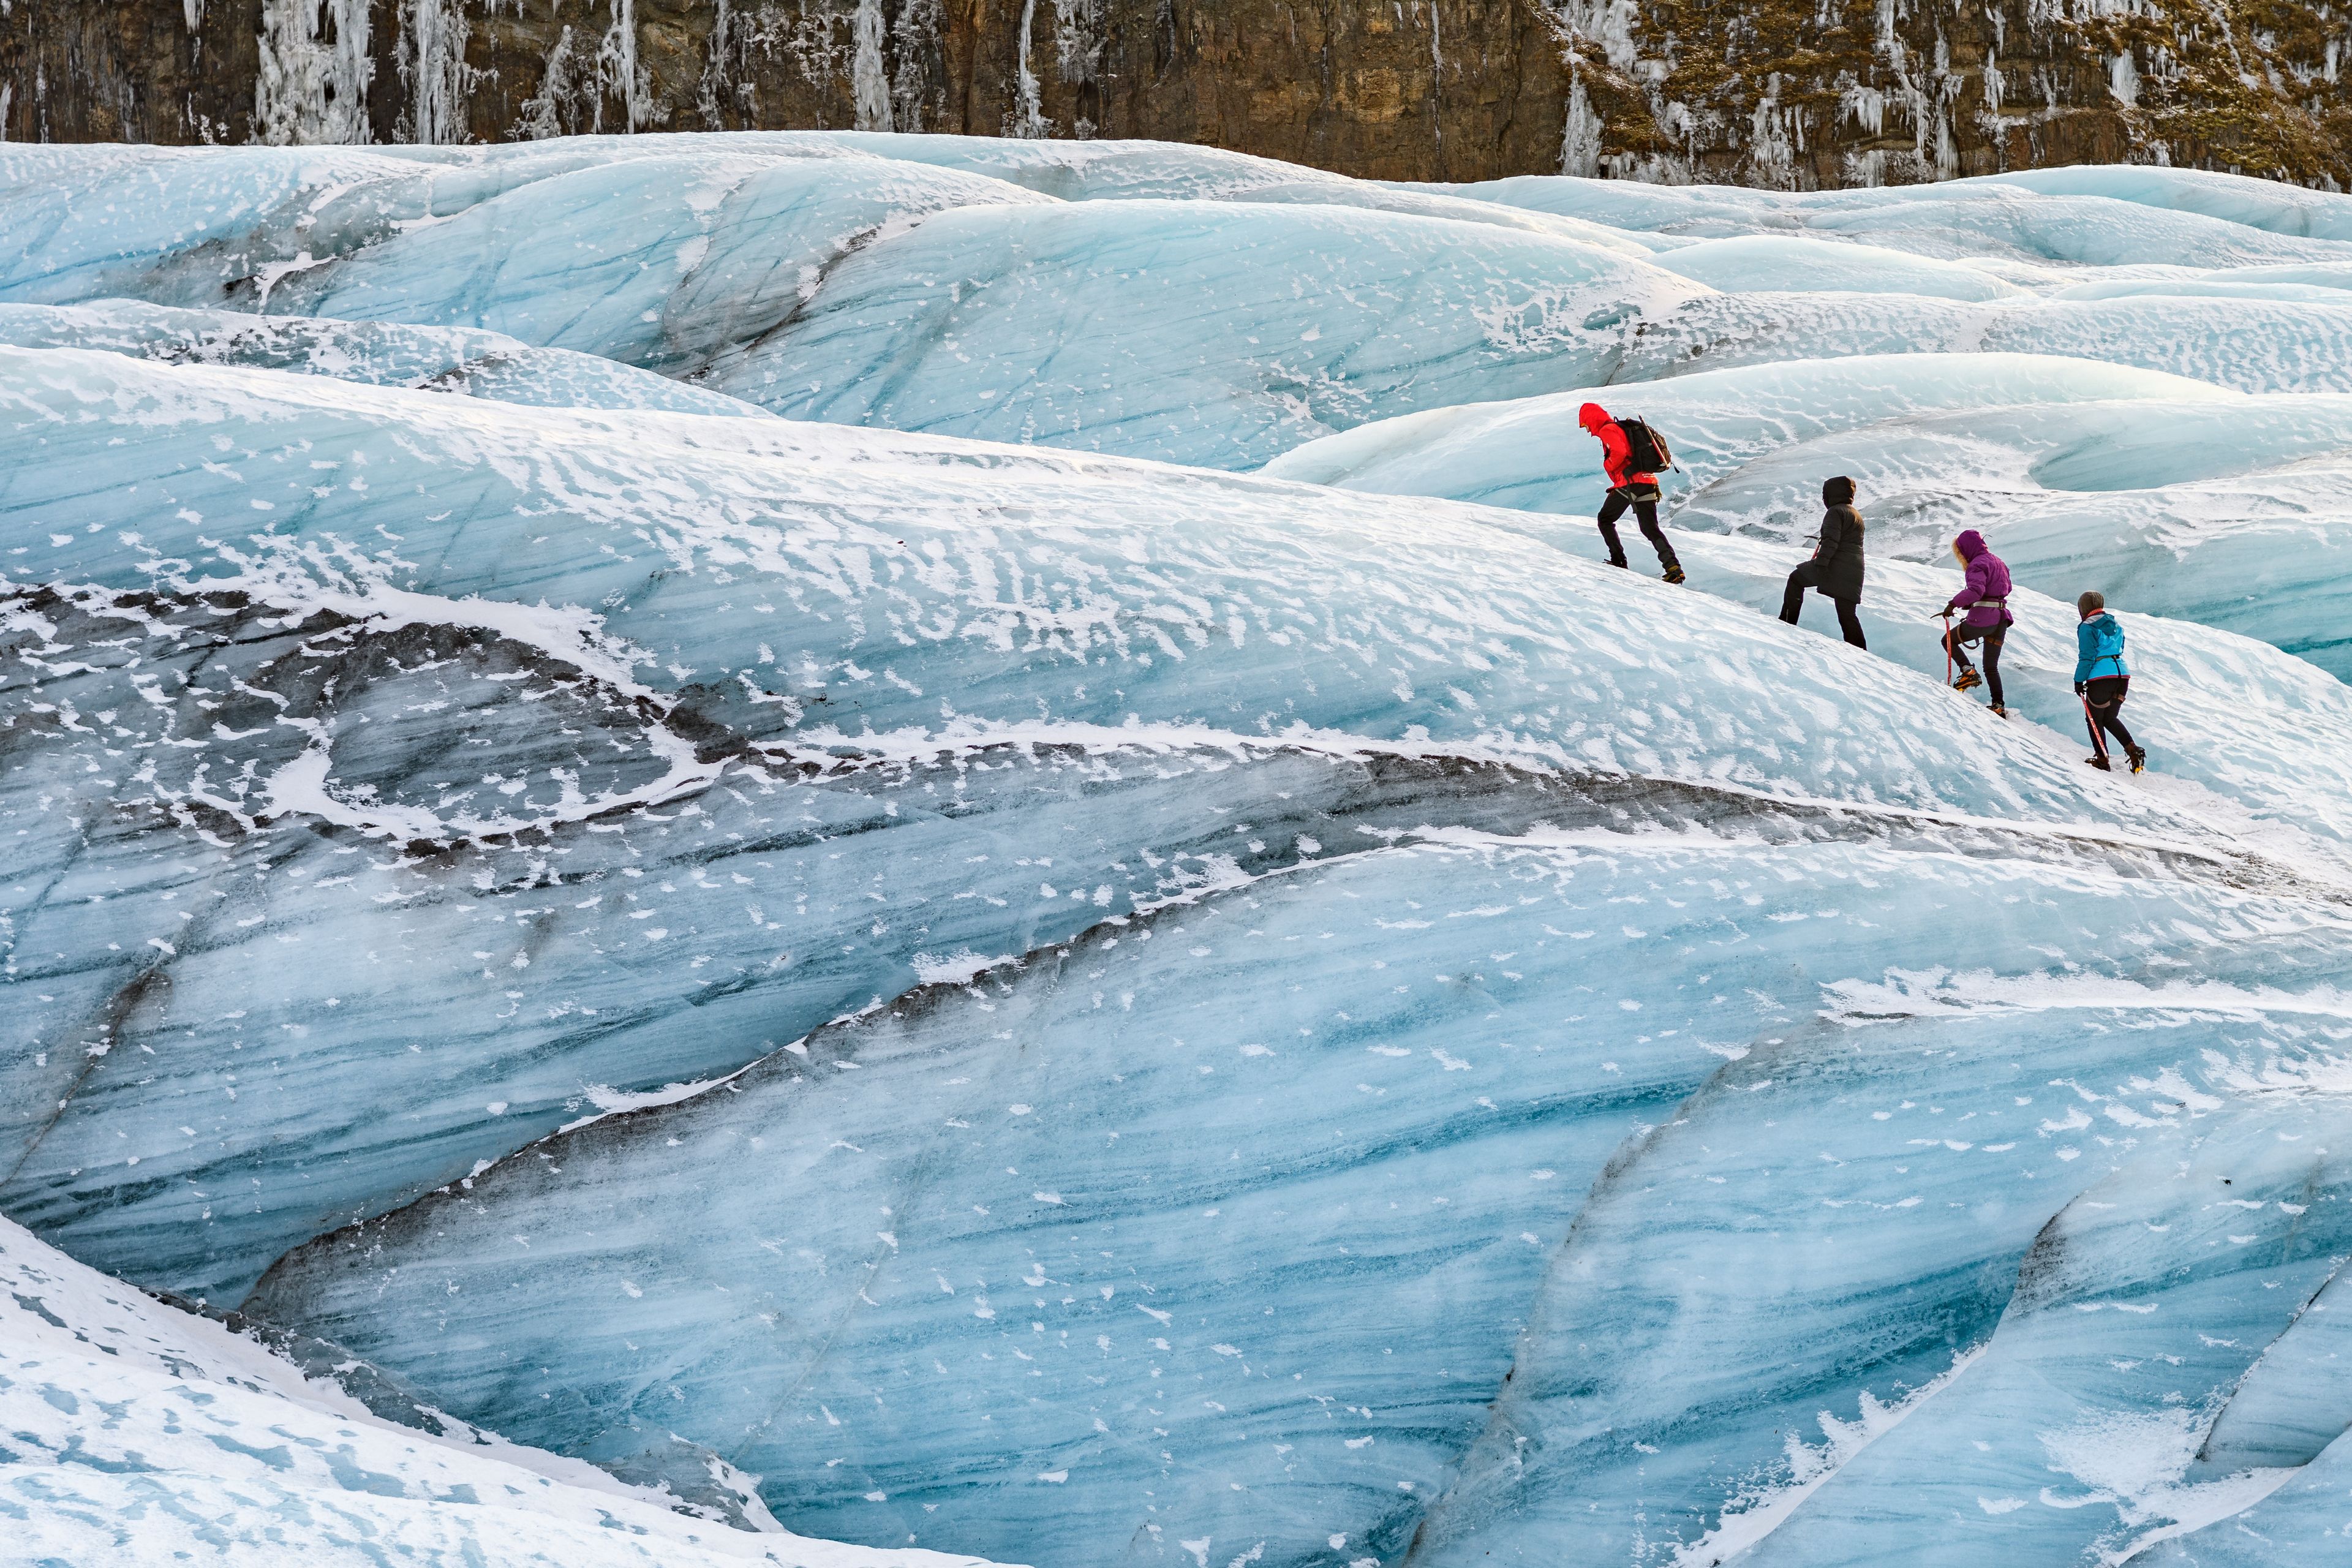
x,y
2098,216
1173,303
702,255
2263,343
210,1446
2301,1520
2166,493
464,362
1096,171
1272,323
768,670
921,972
1011,1219
1774,263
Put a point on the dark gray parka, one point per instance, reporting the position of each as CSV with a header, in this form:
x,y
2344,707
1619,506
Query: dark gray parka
x,y
1839,553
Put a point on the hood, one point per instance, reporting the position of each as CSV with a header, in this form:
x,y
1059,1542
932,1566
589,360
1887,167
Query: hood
x,y
1970,544
1838,491
1592,416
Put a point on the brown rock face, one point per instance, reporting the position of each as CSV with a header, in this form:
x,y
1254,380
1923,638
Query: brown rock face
x,y
1797,93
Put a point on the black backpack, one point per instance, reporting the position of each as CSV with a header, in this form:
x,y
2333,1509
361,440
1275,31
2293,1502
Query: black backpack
x,y
1646,451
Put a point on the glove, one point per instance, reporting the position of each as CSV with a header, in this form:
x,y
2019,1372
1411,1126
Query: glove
x,y
2081,687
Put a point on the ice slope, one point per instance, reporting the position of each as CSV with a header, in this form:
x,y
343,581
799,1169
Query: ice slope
x,y
661,261
1173,303
327,622
139,1434
824,280
1244,607
469,363
2071,217
711,942
2267,205
2249,723
2112,1341
427,766
2237,335
1527,454
2175,498
1206,333
1770,263
1088,1239
1956,1271
654,251
1116,170
2303,1521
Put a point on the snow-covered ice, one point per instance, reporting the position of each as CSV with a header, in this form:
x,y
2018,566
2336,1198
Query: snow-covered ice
x,y
634,972
138,1432
2187,499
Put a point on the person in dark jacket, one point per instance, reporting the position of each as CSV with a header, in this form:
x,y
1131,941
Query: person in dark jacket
x,y
1835,569
2101,680
1985,597
1628,489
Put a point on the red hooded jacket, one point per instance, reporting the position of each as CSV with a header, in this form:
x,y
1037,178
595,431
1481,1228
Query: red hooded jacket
x,y
1595,420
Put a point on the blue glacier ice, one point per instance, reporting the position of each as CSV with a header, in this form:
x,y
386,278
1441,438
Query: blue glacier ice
x,y
2301,1522
2111,216
1025,1257
466,362
2175,496
2246,337
1776,263
142,1434
703,256
765,671
1112,939
1100,171
1182,304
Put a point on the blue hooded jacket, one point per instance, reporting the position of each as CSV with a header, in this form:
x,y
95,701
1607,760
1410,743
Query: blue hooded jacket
x,y
2098,648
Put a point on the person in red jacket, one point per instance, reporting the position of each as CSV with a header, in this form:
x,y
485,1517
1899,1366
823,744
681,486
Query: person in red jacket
x,y
1627,489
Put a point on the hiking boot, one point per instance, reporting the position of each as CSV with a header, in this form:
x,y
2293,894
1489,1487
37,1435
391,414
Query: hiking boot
x,y
1621,561
1996,710
1674,574
2139,759
2098,763
1967,680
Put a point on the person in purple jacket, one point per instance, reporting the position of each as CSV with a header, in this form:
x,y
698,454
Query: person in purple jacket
x,y
1986,598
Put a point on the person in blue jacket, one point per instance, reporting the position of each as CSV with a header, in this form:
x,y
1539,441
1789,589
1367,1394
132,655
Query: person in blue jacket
x,y
2101,680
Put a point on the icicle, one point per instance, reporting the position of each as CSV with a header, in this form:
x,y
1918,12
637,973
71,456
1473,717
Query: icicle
x,y
433,67
1609,23
869,87
2123,80
1436,77
195,11
542,116
308,90
616,67
917,31
1579,145
1026,120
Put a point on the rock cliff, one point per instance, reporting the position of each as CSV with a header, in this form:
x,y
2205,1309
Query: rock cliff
x,y
1796,93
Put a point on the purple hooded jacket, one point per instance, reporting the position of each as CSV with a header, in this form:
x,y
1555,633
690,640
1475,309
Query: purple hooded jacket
x,y
1986,597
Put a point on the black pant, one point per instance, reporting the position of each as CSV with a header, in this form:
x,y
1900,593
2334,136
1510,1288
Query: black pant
x,y
2104,701
1809,575
1643,503
1992,637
